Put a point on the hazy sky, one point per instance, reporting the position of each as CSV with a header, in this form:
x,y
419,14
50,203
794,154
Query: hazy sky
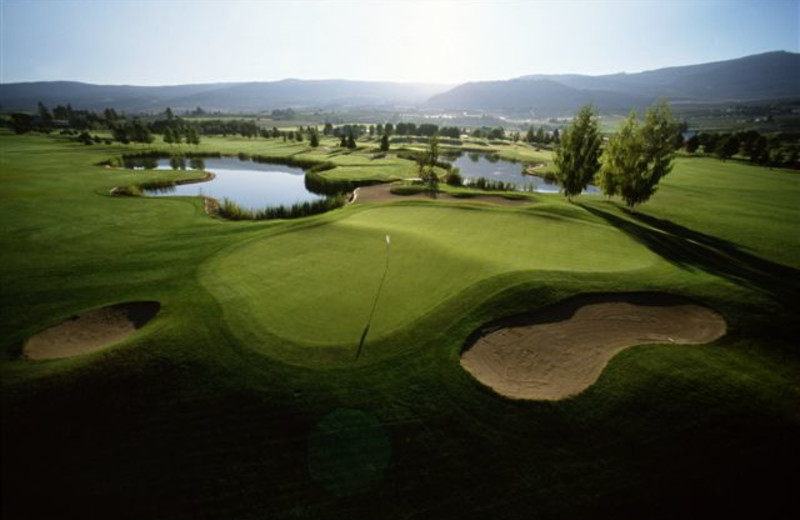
x,y
149,42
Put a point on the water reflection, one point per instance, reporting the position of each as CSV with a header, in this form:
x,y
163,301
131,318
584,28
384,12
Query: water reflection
x,y
252,185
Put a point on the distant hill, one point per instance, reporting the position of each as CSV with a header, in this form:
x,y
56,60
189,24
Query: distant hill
x,y
226,97
770,76
773,75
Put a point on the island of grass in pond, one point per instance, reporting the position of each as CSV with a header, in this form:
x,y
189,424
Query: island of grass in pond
x,y
250,185
476,165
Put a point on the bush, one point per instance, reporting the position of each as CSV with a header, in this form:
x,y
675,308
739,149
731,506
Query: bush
x,y
453,177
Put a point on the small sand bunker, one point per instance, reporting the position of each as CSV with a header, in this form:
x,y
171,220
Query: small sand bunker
x,y
560,351
90,331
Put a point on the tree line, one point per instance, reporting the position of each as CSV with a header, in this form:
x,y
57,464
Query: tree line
x,y
779,149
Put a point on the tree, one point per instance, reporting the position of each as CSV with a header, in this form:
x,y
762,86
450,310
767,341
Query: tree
x,y
61,113
530,136
44,113
169,137
351,140
556,136
110,115
638,156
577,157
192,137
757,150
385,143
427,163
343,142
314,139
727,147
21,123
85,138
692,144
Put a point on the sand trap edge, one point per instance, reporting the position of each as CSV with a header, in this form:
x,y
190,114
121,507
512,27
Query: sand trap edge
x,y
514,361
90,331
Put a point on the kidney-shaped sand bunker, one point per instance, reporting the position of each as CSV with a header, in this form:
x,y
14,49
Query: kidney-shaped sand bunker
x,y
559,351
90,331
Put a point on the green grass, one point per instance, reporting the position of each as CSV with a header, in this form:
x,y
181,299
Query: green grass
x,y
322,303
243,398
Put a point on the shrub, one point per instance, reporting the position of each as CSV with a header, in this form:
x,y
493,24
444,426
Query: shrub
x,y
453,177
230,210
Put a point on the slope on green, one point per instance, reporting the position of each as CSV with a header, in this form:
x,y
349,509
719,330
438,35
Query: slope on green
x,y
317,285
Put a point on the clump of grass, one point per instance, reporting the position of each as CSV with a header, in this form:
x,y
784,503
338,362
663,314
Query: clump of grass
x,y
233,211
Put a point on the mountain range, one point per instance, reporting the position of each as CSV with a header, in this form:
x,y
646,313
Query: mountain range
x,y
769,76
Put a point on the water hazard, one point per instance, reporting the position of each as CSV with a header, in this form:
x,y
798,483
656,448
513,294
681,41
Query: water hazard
x,y
249,184
474,165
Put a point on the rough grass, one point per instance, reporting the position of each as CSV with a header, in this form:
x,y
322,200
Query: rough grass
x,y
198,415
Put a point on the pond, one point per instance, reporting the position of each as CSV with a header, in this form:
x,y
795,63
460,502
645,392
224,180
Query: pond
x,y
474,165
250,184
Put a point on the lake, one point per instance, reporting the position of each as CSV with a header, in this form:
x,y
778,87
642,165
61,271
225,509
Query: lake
x,y
249,184
474,165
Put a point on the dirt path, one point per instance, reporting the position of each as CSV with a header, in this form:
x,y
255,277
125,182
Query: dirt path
x,y
561,351
90,331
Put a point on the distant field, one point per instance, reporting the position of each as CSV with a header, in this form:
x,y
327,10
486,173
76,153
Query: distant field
x,y
243,398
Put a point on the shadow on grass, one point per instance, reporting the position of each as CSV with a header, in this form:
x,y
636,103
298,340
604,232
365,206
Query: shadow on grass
x,y
689,249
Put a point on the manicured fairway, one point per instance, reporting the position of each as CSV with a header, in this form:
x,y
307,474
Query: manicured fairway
x,y
243,397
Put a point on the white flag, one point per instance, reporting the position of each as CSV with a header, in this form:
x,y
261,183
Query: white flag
x,y
388,240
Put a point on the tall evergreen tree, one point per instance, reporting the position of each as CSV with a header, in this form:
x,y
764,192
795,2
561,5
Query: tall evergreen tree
x,y
192,137
577,156
530,136
385,143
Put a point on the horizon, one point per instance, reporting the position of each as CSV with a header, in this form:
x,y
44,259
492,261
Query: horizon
x,y
229,82
444,42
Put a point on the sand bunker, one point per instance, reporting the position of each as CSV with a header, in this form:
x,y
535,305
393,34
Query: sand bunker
x,y
90,331
382,193
560,351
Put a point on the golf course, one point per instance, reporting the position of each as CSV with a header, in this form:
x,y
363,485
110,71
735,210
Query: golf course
x,y
325,366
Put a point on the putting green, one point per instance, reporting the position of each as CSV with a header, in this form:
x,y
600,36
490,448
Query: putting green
x,y
317,286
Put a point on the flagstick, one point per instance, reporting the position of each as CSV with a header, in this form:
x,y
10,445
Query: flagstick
x,y
375,303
